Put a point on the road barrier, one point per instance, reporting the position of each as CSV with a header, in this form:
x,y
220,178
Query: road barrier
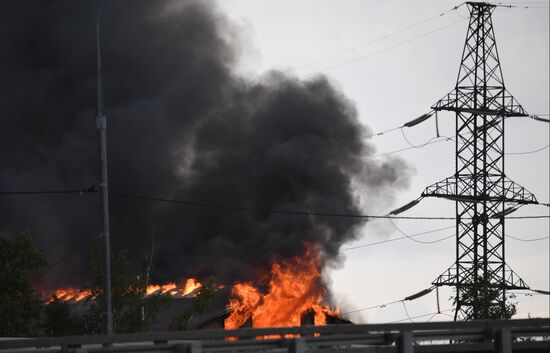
x,y
503,336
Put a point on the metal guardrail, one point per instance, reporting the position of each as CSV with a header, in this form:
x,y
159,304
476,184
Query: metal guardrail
x,y
503,336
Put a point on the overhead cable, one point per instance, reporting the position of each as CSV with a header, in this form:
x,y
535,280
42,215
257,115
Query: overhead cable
x,y
412,297
243,208
429,142
51,192
521,239
420,316
528,152
521,6
432,242
264,210
383,132
395,239
70,252
364,44
416,240
389,48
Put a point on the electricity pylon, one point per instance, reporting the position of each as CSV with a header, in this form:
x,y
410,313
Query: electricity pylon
x,y
480,188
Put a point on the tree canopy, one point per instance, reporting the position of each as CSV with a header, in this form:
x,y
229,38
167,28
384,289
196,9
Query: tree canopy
x,y
20,307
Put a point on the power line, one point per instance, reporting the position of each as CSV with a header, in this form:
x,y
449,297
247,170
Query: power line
x,y
390,47
384,132
439,313
527,217
263,210
424,144
444,137
364,44
346,249
431,242
439,139
523,7
70,252
242,208
429,142
395,239
406,311
51,192
287,212
415,240
371,307
535,239
380,306
528,152
408,124
522,2
420,316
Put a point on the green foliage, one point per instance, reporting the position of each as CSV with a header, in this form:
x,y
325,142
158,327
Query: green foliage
x,y
23,313
60,321
182,321
483,294
206,294
132,312
19,306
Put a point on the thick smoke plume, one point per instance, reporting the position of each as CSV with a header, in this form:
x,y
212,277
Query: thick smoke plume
x,y
181,125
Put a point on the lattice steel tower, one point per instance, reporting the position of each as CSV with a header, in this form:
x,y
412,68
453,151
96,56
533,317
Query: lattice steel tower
x,y
480,188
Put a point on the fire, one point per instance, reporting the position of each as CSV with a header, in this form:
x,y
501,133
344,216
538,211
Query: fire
x,y
186,288
294,290
68,294
190,286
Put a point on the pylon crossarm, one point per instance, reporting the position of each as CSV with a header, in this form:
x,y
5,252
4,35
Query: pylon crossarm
x,y
447,278
501,190
511,280
518,193
459,101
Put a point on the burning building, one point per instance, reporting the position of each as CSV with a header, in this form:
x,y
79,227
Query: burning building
x,y
183,125
290,294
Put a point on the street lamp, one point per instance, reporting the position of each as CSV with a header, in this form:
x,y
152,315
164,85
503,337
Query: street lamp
x,y
101,121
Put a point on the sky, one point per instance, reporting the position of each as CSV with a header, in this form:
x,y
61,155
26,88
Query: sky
x,y
393,79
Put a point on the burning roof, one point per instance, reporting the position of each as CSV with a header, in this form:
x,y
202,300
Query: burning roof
x,y
291,293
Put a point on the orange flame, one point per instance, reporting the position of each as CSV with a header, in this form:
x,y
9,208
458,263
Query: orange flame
x,y
190,286
152,289
294,290
187,288
68,294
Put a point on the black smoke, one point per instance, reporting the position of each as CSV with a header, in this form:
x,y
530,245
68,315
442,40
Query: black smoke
x,y
181,125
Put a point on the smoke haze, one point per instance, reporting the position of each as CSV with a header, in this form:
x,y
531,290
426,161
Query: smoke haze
x,y
181,125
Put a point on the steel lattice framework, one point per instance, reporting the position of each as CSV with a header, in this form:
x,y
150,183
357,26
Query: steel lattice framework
x,y
480,188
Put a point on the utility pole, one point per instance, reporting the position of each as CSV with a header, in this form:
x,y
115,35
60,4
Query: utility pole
x,y
482,192
101,121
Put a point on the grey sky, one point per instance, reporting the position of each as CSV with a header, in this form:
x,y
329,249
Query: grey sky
x,y
393,85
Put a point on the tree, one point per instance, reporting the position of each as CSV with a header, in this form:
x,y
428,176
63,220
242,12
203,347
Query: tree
x,y
482,294
60,321
206,294
19,305
132,310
